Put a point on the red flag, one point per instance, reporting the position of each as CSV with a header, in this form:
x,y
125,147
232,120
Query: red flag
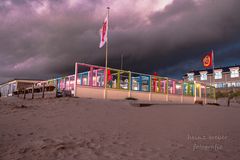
x,y
109,75
208,60
155,74
103,33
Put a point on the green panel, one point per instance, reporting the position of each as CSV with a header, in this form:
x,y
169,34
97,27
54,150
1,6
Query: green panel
x,y
118,79
167,86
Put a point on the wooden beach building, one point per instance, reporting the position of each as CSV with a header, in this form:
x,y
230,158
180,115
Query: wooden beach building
x,y
10,87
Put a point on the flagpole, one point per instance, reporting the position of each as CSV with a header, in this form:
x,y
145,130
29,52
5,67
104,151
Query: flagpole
x,y
213,67
213,74
213,59
121,61
106,59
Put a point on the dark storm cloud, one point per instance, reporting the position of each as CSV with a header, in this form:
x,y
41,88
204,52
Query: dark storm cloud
x,y
181,33
43,39
40,44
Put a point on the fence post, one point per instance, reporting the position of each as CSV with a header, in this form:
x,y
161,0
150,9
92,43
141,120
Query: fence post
x,y
24,94
43,90
56,87
33,91
129,84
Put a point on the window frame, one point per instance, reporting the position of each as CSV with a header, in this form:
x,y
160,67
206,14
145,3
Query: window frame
x,y
216,75
234,69
190,74
205,73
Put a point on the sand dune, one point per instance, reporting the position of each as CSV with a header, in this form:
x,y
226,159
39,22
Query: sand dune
x,y
90,129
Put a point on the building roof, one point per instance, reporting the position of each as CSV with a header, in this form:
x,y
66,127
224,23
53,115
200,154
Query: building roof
x,y
22,79
210,71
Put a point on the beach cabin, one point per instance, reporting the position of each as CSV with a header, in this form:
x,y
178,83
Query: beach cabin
x,y
12,86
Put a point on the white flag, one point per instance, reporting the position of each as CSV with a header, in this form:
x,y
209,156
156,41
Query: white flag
x,y
103,33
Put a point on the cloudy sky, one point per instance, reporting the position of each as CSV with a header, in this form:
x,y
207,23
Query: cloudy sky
x,y
44,38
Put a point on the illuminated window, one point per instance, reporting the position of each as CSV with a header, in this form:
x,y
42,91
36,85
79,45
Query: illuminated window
x,y
190,76
203,76
218,74
234,72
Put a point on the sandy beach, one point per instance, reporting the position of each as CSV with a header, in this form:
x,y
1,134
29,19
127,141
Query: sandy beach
x,y
91,129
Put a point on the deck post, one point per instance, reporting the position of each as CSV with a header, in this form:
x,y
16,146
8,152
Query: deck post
x,y
91,76
150,88
195,91
140,83
167,98
205,97
159,85
64,83
118,79
173,86
214,94
200,91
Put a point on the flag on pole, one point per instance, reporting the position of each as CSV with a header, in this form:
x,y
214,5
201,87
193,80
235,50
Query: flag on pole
x,y
208,60
103,33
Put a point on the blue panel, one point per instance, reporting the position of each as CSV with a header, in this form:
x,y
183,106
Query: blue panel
x,y
149,77
140,83
80,78
192,89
